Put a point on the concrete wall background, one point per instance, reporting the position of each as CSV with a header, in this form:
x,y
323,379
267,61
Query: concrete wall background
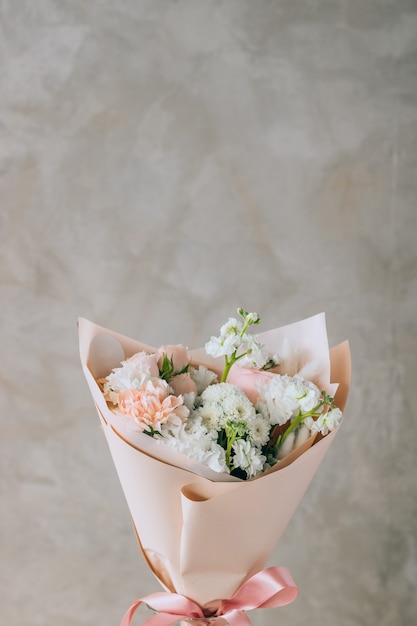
x,y
161,163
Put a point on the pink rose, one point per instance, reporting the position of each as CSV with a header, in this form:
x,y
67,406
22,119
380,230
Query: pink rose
x,y
177,354
142,361
248,379
182,383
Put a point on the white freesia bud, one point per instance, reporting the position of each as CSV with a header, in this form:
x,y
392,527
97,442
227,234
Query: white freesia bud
x,y
303,433
286,446
252,318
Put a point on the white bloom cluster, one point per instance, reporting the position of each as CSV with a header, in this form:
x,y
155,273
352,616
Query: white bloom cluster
x,y
133,373
197,442
293,440
298,402
233,338
228,341
256,354
223,402
284,397
225,407
215,423
326,422
247,457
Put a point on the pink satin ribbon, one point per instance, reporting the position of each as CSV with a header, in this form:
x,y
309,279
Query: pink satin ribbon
x,y
271,588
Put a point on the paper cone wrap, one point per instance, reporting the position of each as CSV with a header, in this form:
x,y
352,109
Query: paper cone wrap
x,y
201,535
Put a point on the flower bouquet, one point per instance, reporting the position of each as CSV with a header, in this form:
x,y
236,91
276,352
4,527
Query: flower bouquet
x,y
235,430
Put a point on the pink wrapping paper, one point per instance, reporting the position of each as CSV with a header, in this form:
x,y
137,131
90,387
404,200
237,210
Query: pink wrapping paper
x,y
203,534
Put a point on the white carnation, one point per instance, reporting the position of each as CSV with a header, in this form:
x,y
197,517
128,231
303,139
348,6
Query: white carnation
x,y
189,400
134,373
197,442
202,377
306,393
284,397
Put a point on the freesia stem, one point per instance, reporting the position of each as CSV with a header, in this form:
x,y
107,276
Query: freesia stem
x,y
300,417
249,320
229,363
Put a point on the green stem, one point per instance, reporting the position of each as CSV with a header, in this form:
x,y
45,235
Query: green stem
x,y
234,358
229,363
300,417
230,443
245,326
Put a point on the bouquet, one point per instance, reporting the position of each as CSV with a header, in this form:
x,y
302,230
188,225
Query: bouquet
x,y
235,431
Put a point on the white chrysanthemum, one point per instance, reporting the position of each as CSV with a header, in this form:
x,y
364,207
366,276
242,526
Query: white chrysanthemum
x,y
202,377
247,457
222,402
238,407
134,373
259,430
212,415
283,397
216,394
326,422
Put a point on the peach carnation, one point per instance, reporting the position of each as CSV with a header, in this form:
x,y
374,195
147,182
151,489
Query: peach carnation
x,y
152,406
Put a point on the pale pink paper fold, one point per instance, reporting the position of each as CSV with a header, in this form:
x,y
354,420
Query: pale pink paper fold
x,y
203,537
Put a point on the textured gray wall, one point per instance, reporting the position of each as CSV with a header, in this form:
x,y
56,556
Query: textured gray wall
x,y
161,163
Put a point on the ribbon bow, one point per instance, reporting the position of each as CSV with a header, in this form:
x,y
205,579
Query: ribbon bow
x,y
270,588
